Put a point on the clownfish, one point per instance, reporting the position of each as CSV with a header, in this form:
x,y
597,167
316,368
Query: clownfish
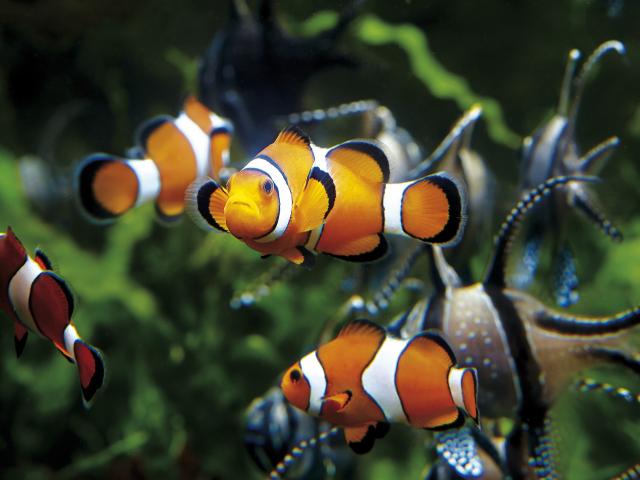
x,y
37,299
174,152
296,198
365,378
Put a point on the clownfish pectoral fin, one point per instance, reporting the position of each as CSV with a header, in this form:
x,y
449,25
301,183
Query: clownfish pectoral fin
x,y
293,136
316,200
364,249
90,368
337,402
205,200
431,209
361,439
300,256
20,338
362,157
42,260
463,383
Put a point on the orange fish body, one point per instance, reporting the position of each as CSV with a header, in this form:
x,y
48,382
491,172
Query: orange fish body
x,y
175,152
336,201
364,379
37,299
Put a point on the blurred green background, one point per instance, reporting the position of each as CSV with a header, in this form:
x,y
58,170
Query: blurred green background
x,y
78,77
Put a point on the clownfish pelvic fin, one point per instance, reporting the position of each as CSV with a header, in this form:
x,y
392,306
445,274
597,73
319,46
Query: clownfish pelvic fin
x,y
300,256
20,338
431,209
362,438
205,201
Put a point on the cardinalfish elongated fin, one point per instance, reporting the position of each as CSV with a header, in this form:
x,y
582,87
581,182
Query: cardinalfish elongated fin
x,y
364,158
205,202
432,209
109,186
316,201
298,450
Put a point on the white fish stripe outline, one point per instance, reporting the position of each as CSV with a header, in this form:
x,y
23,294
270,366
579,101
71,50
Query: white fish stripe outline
x,y
392,207
20,292
70,337
320,158
284,196
455,386
198,140
379,379
148,177
314,372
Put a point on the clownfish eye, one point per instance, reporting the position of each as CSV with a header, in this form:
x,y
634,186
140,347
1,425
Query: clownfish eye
x,y
267,186
295,376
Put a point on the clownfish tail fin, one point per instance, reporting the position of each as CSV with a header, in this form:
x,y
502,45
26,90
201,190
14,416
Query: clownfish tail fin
x,y
90,367
431,209
205,200
463,383
108,186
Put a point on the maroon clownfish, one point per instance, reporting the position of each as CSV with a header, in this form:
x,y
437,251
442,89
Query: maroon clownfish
x,y
364,379
174,151
296,198
37,299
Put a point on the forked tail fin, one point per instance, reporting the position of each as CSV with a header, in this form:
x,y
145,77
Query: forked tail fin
x,y
463,383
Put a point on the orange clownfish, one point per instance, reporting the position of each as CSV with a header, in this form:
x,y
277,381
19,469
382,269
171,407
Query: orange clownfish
x,y
295,198
37,299
364,379
174,151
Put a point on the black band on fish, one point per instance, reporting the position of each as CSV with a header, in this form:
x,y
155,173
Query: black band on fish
x,y
327,182
203,197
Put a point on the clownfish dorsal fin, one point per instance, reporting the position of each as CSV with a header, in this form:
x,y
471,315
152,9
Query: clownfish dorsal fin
x,y
364,158
41,259
293,136
362,327
316,201
147,129
15,243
